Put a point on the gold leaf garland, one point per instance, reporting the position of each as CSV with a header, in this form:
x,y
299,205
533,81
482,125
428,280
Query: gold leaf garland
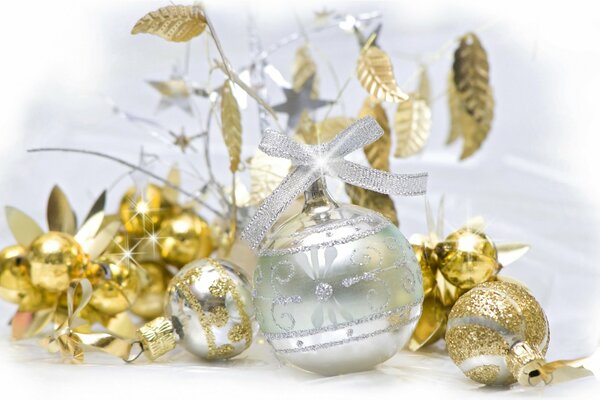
x,y
303,69
378,152
375,74
173,23
412,124
231,125
470,80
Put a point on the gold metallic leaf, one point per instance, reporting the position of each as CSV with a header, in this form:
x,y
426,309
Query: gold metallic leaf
x,y
476,224
231,125
457,112
375,201
174,23
169,192
103,239
412,124
98,206
424,88
89,229
508,253
60,214
304,68
432,323
378,152
266,173
321,132
471,79
375,74
22,226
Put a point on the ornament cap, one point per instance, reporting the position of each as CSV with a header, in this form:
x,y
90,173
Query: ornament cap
x,y
525,364
157,337
317,199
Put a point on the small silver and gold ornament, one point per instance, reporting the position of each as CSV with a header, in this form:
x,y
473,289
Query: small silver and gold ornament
x,y
208,310
337,287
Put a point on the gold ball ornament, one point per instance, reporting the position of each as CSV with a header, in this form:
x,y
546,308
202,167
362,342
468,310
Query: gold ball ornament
x,y
55,259
140,213
150,301
15,280
184,238
497,334
467,258
115,283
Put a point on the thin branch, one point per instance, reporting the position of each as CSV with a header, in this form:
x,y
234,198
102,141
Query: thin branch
x,y
132,166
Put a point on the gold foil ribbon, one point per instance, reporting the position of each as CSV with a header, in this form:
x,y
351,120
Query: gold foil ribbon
x,y
70,340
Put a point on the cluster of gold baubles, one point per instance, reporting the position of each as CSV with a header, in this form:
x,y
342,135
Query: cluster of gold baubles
x,y
128,259
451,267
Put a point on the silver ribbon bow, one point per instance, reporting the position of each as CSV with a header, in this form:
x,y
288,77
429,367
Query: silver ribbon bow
x,y
310,162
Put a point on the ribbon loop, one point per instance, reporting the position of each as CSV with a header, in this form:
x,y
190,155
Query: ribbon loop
x,y
313,161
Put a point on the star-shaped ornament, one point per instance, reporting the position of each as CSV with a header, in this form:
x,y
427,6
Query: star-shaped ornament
x,y
184,141
297,102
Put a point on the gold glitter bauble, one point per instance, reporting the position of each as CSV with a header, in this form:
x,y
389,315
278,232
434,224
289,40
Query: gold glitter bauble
x,y
488,327
142,213
55,259
467,258
115,283
184,238
150,302
15,281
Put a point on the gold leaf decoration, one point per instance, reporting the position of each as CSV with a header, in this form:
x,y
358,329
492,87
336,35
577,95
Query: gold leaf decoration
x,y
304,68
170,192
22,226
412,124
471,80
375,201
231,125
321,132
375,74
266,173
60,214
173,23
456,112
508,253
378,152
424,88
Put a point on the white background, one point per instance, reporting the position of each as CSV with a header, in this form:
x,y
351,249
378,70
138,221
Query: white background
x,y
535,180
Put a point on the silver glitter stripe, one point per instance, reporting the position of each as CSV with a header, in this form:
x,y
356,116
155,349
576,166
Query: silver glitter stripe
x,y
368,318
326,243
314,161
349,340
330,226
510,337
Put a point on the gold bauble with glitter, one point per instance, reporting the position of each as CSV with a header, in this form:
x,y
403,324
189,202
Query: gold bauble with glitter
x,y
497,333
115,283
467,258
150,301
141,213
184,238
55,259
15,280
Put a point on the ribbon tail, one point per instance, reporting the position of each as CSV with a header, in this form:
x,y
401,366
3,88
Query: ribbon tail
x,y
107,343
564,370
380,181
296,182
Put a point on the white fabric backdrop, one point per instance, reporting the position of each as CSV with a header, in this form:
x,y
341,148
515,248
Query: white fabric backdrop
x,y
534,179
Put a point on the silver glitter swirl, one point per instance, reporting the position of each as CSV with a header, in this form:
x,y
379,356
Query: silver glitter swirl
x,y
313,161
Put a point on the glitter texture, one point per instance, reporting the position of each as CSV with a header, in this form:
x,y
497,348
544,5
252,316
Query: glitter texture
x,y
486,322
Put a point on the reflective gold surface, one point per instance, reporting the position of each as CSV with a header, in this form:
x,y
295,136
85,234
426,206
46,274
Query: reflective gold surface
x,y
140,214
184,238
467,258
55,259
15,281
150,301
115,284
